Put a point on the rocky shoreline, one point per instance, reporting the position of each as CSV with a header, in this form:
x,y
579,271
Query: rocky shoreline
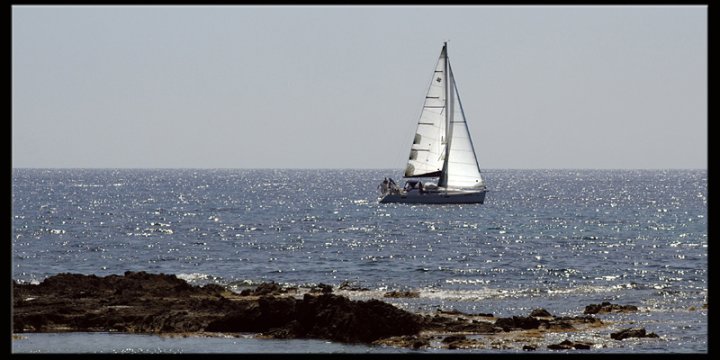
x,y
139,302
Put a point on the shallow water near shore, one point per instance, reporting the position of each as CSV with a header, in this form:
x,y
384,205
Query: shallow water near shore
x,y
556,239
118,343
138,344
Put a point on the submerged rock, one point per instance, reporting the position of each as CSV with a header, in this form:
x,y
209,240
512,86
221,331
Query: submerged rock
x,y
632,332
540,312
346,285
607,307
458,312
406,341
401,294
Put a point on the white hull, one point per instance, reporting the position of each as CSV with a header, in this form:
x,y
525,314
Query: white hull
x,y
436,197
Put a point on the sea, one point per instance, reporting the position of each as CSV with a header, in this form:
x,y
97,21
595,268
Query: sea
x,y
558,239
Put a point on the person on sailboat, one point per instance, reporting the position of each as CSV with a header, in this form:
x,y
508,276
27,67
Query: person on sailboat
x,y
408,186
413,184
383,187
392,186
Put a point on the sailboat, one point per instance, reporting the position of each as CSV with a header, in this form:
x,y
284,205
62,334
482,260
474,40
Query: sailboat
x,y
442,167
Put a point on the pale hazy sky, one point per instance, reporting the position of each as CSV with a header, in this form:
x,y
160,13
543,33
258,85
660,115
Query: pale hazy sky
x,y
343,86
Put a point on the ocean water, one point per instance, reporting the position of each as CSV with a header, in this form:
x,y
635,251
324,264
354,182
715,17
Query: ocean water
x,y
556,239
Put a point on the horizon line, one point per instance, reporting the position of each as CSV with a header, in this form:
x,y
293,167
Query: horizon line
x,y
317,168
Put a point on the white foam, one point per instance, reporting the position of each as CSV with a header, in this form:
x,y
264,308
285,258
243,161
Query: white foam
x,y
198,277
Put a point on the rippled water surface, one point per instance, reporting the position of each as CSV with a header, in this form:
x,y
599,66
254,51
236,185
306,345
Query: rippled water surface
x,y
557,239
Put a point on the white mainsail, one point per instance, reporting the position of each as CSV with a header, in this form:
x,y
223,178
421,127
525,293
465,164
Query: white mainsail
x,y
428,148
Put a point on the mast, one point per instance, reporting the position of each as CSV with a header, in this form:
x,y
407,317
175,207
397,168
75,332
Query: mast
x,y
442,182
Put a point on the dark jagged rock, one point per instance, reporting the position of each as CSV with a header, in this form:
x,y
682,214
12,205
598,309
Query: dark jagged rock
x,y
450,324
326,316
148,303
266,288
346,285
583,346
565,345
540,312
450,312
78,286
133,302
454,338
568,345
455,341
322,288
406,341
138,302
459,342
338,318
437,321
483,314
587,319
420,342
401,294
518,322
458,312
632,332
607,307
268,313
558,325
215,288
